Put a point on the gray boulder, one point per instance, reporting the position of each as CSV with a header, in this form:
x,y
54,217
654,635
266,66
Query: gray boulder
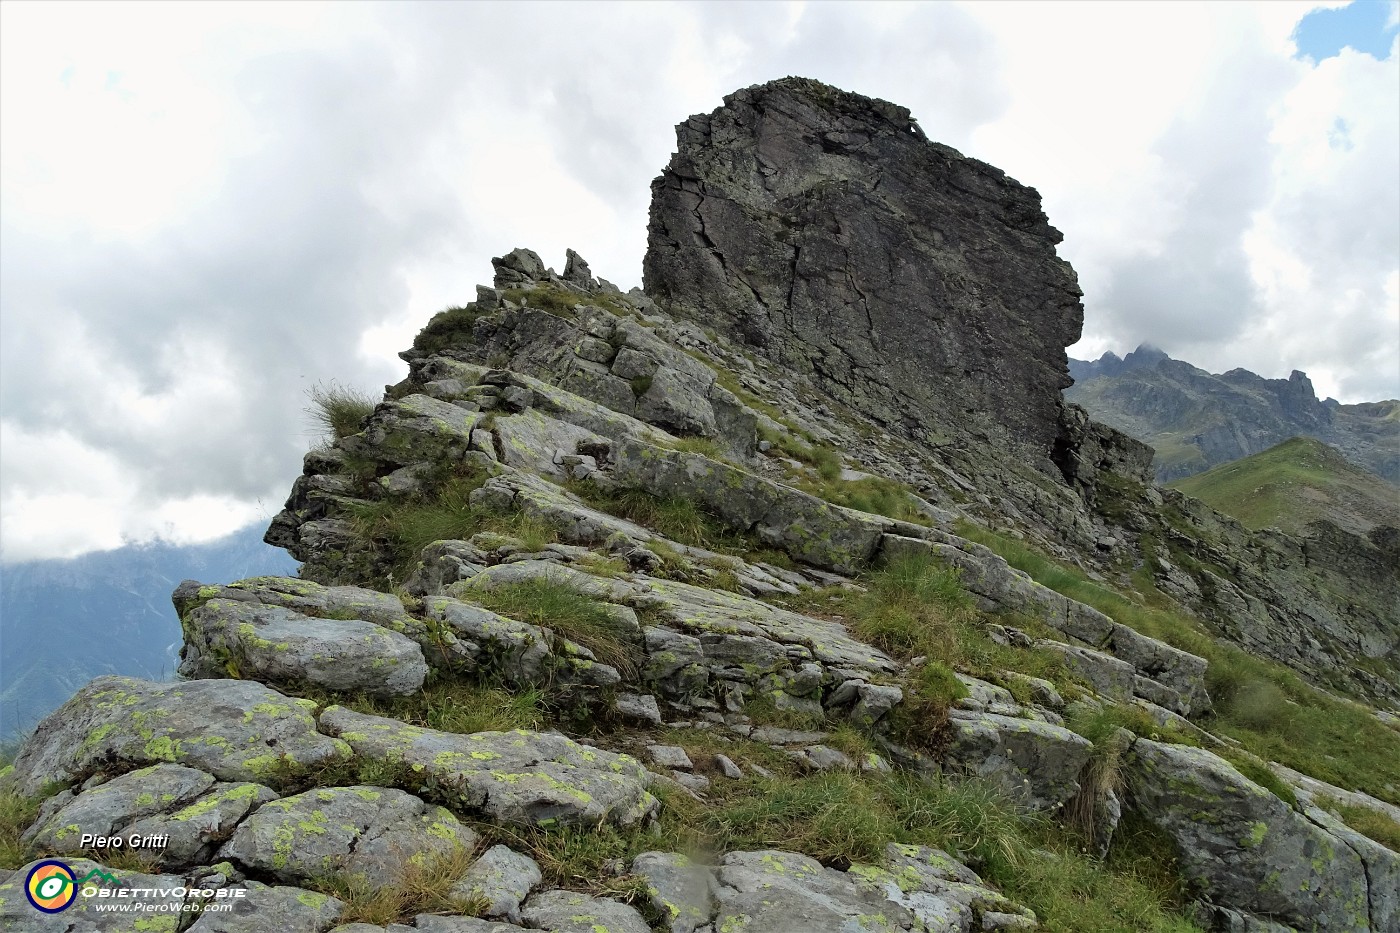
x,y
520,777
279,646
679,891
1244,847
415,429
305,597
804,526
1035,763
502,878
782,892
108,808
193,832
235,730
1108,676
374,832
571,912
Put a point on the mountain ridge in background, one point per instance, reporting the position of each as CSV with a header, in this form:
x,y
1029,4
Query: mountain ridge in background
x,y
1293,484
66,621
1196,420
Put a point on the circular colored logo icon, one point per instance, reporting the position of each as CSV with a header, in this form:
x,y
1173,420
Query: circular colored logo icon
x,y
51,887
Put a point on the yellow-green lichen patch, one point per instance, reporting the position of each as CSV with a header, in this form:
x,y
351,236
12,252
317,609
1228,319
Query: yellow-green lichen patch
x,y
211,802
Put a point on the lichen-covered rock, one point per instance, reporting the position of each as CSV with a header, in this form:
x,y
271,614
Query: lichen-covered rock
x,y
1244,847
193,832
782,892
416,429
1382,869
571,912
157,905
374,832
520,777
187,809
279,646
914,890
531,440
273,908
107,808
1035,763
233,729
481,642
305,597
502,878
678,891
1108,676
721,641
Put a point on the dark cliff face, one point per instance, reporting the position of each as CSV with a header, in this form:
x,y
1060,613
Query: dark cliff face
x,y
822,229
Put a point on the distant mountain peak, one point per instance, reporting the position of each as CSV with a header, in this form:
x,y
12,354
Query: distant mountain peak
x,y
1196,420
1147,353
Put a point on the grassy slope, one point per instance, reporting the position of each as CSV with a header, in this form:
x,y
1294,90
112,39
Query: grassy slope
x,y
1264,706
1294,483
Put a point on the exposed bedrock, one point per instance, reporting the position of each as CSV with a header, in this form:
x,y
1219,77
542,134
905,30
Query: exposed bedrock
x,y
822,228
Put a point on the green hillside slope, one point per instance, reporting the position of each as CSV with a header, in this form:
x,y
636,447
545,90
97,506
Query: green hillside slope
x,y
1291,484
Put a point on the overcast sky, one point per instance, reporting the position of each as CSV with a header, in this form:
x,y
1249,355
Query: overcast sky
x,y
206,209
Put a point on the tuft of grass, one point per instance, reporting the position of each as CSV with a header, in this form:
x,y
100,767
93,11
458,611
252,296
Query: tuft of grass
x,y
704,446
763,710
916,607
338,409
1366,821
451,327
676,517
448,704
1103,774
568,614
921,720
559,302
422,888
1103,724
17,814
640,385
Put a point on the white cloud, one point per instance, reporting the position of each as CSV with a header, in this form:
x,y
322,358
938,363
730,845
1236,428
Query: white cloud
x,y
63,498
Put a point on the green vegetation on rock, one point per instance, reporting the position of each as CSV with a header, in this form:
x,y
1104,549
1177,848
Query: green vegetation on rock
x,y
339,410
568,614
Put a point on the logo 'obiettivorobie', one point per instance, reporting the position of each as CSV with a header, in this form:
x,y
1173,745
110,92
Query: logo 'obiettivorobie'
x,y
52,887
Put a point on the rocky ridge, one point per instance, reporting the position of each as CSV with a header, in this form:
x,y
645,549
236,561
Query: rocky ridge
x,y
540,418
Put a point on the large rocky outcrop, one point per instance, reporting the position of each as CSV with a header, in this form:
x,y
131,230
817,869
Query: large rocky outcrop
x,y
826,231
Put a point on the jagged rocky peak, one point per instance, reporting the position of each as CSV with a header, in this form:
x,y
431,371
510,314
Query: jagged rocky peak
x,y
825,230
